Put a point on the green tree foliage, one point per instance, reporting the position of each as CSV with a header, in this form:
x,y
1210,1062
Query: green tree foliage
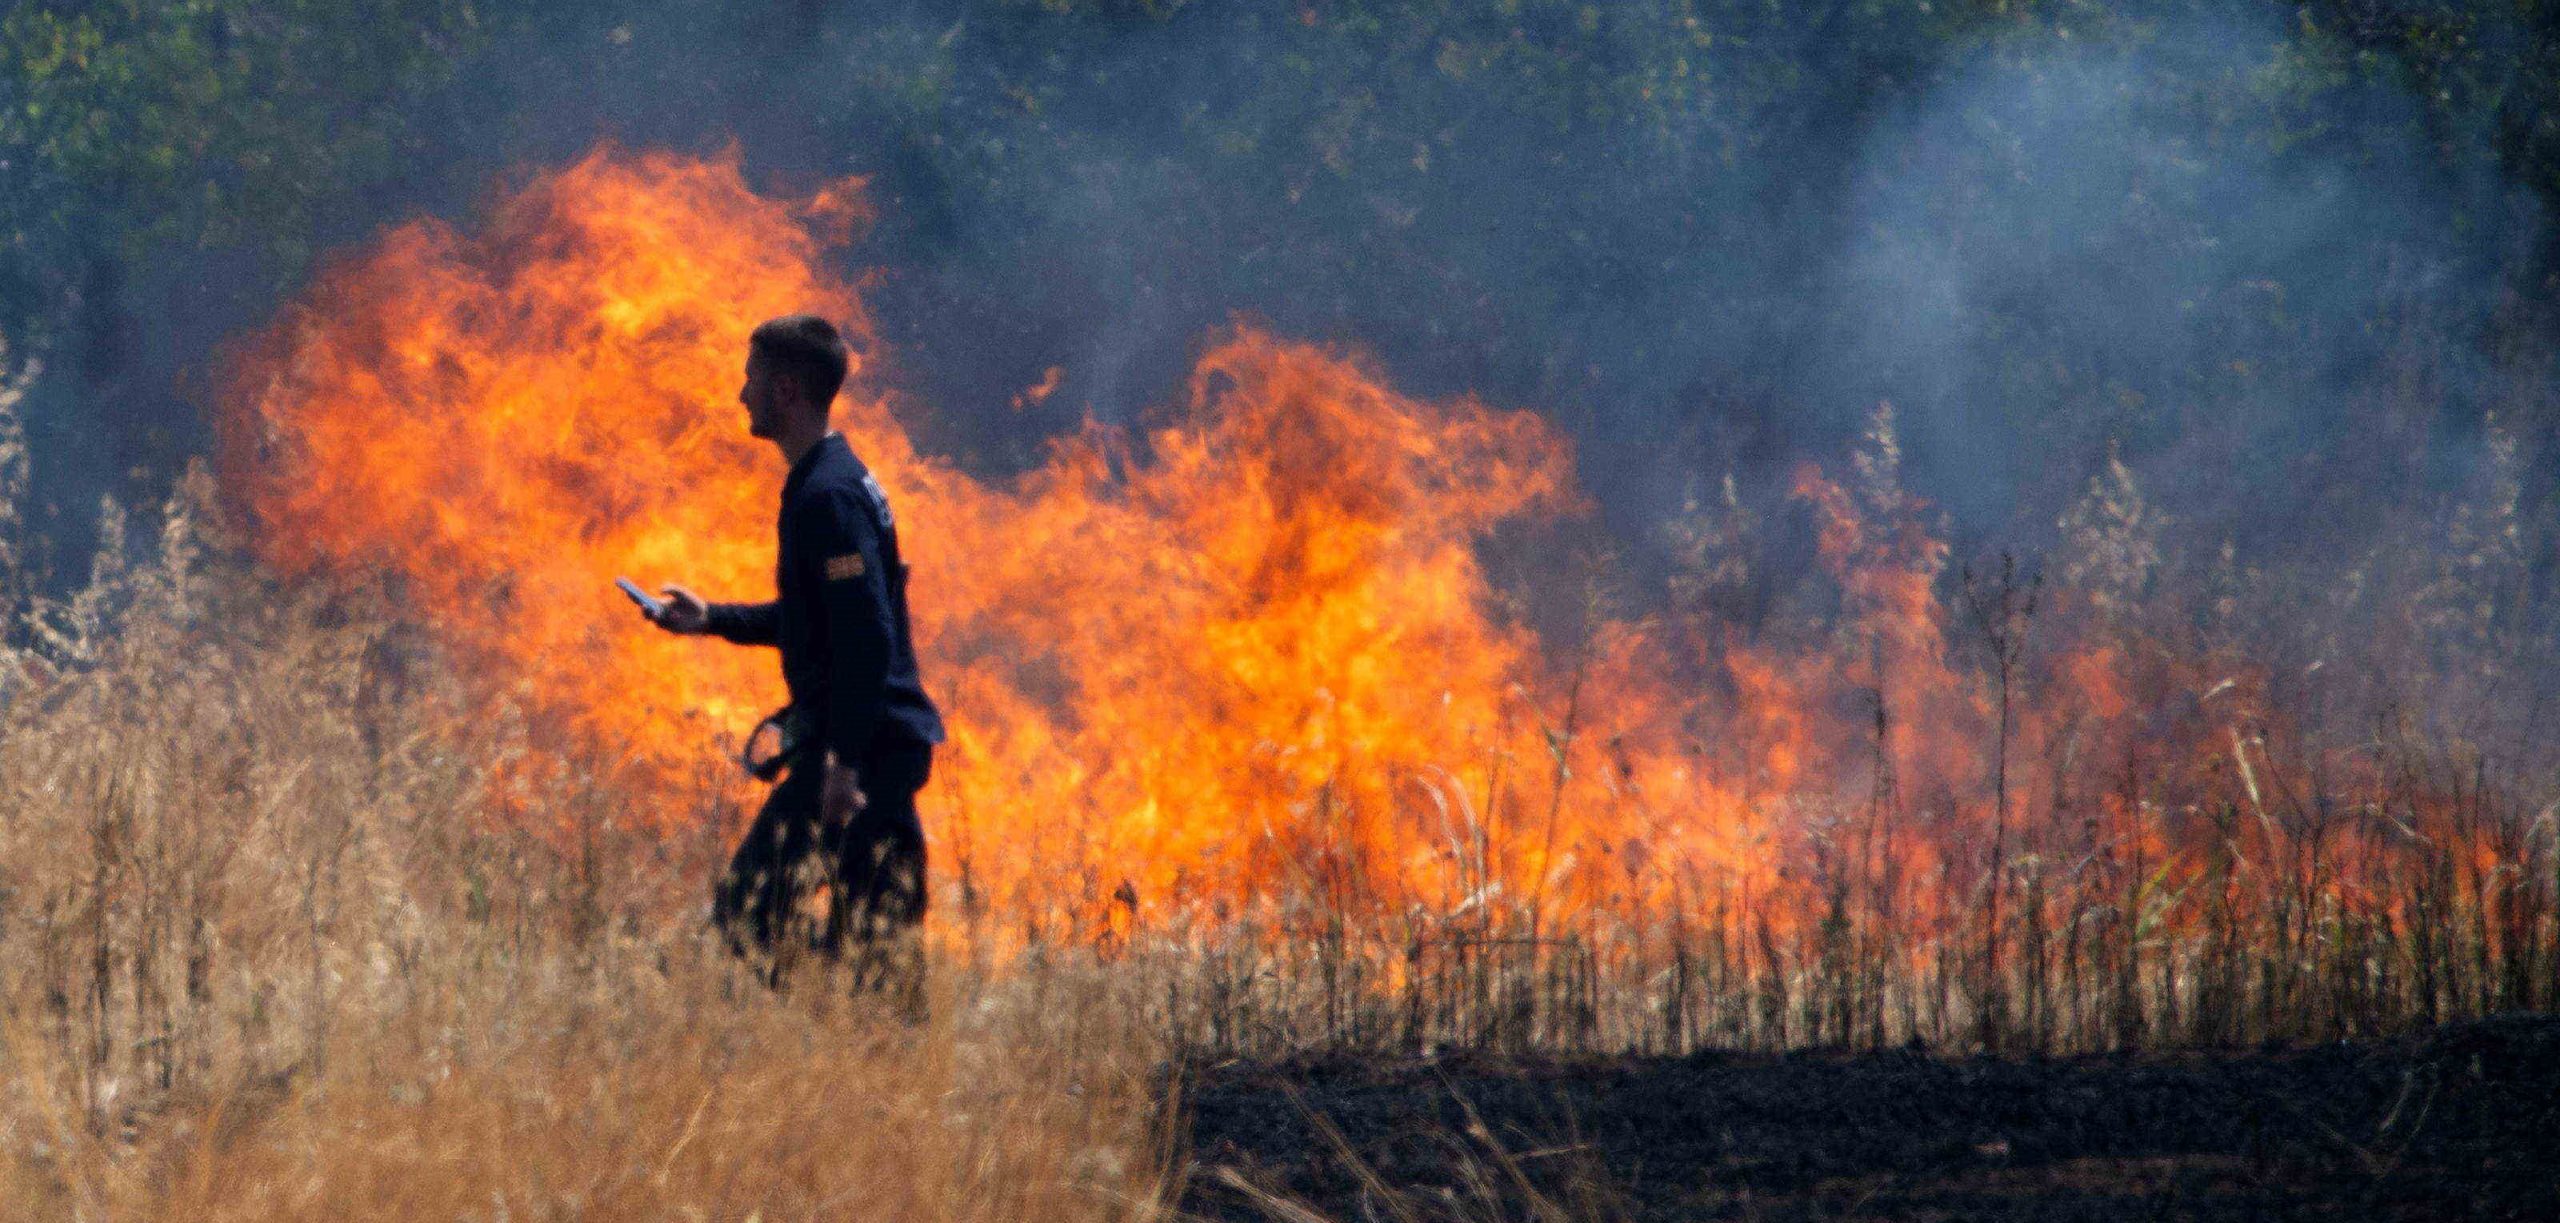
x,y
1631,214
135,126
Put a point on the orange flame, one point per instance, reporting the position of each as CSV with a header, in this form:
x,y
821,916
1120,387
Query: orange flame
x,y
1244,658
1038,393
1242,662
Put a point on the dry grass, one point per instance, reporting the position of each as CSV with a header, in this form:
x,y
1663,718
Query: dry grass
x,y
264,954
294,925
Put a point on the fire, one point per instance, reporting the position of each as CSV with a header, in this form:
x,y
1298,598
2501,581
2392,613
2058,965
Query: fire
x,y
1038,393
1246,658
506,421
1245,664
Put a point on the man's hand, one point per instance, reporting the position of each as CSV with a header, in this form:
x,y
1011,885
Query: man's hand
x,y
685,612
840,798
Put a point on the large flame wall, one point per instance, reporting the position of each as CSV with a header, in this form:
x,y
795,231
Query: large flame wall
x,y
1246,665
1239,661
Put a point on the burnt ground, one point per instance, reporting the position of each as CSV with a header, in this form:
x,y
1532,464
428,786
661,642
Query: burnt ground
x,y
2459,1123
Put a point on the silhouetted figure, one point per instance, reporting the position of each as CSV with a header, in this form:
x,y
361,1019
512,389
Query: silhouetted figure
x,y
856,742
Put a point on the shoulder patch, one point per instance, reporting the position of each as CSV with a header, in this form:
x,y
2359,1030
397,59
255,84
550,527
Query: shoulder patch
x,y
844,568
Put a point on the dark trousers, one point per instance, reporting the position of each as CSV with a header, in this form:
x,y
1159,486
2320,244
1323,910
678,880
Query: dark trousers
x,y
872,868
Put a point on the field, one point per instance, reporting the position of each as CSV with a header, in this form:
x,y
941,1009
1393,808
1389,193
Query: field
x,y
280,945
2456,1124
1915,609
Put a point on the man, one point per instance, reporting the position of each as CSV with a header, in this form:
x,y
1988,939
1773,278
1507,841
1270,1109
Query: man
x,y
859,733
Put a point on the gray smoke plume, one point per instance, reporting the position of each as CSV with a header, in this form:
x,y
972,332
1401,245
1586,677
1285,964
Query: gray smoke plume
x,y
1705,239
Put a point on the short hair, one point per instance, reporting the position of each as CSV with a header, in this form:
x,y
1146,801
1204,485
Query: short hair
x,y
807,349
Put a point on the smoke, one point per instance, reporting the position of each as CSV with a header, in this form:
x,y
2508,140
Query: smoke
x,y
2061,248
1702,239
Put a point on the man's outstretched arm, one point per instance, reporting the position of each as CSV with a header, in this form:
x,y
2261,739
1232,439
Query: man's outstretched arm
x,y
743,623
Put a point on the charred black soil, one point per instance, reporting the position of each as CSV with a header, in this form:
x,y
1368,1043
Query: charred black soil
x,y
2459,1123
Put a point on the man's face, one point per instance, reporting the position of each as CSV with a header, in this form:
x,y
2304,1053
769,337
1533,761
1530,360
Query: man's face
x,y
766,397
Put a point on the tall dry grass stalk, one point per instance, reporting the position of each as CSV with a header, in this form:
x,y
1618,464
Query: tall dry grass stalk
x,y
267,952
294,923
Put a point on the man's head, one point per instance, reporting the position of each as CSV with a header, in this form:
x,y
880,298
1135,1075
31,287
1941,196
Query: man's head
x,y
795,365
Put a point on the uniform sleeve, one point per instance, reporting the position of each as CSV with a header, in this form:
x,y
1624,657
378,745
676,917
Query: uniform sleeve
x,y
745,623
854,623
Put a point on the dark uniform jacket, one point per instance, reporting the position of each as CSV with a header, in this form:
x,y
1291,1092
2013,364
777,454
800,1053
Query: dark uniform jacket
x,y
841,618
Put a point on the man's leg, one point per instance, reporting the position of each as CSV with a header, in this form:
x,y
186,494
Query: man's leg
x,y
754,901
880,880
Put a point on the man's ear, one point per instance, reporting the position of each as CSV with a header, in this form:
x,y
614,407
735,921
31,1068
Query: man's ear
x,y
792,391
